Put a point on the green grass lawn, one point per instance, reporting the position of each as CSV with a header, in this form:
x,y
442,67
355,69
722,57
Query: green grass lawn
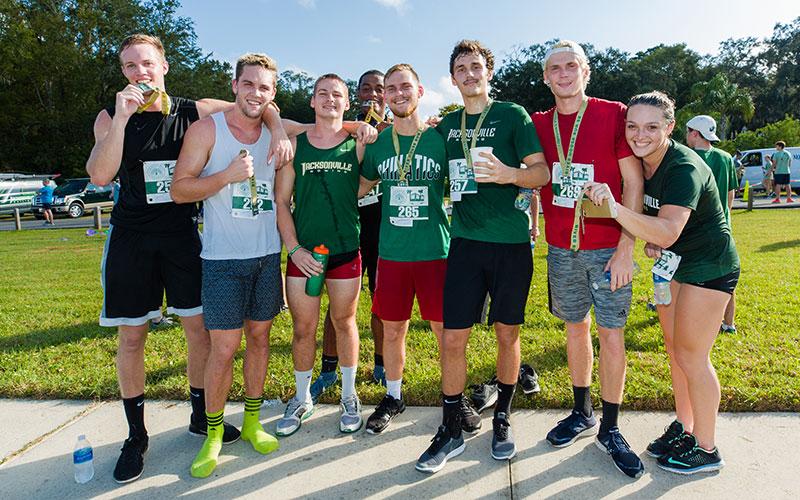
x,y
52,347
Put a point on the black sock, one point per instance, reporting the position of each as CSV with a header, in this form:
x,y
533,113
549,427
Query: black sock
x,y
379,360
134,413
198,398
583,400
329,363
451,413
505,393
610,414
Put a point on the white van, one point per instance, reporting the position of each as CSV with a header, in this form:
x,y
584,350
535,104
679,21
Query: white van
x,y
18,190
755,164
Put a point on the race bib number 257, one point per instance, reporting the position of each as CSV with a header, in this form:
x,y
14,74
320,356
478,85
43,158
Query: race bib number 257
x,y
158,180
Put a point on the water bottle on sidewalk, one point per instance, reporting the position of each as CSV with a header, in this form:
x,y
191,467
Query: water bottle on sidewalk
x,y
83,460
661,292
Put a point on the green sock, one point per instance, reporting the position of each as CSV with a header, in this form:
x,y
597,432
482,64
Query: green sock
x,y
252,430
206,460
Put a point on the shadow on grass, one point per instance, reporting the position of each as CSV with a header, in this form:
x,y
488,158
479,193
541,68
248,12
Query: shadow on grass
x,y
779,245
37,339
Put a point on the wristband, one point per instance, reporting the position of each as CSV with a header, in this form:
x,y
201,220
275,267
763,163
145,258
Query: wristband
x,y
293,250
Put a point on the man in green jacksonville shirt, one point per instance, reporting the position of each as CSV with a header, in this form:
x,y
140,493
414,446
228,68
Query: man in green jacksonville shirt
x,y
490,246
781,165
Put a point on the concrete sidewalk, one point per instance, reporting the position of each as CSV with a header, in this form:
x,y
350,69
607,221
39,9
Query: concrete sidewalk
x,y
761,451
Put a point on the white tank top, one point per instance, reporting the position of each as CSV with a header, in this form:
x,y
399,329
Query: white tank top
x,y
230,229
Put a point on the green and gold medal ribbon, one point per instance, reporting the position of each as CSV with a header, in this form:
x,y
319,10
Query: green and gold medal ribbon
x,y
253,186
475,132
566,168
372,115
406,167
155,93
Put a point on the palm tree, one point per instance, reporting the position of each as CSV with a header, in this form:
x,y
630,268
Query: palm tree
x,y
722,98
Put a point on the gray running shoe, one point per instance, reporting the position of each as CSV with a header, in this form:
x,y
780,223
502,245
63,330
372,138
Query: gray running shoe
x,y
296,413
443,447
350,420
503,447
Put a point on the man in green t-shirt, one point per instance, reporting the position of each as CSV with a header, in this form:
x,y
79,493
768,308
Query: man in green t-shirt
x,y
781,165
324,180
409,160
700,133
490,247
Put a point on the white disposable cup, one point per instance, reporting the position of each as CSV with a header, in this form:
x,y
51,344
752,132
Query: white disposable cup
x,y
475,155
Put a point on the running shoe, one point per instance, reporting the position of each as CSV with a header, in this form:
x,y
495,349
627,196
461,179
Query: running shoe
x,y
230,434
443,447
131,461
727,328
386,410
686,457
528,379
571,428
776,200
660,446
322,383
164,323
484,395
789,200
470,419
503,447
379,375
293,417
350,419
624,459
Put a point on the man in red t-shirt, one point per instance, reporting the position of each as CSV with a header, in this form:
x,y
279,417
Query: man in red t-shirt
x,y
589,264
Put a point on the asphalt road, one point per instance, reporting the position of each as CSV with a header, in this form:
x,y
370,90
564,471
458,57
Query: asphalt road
x,y
28,222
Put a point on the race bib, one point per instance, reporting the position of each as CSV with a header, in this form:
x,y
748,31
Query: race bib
x,y
157,181
462,179
370,198
666,265
241,203
407,204
567,189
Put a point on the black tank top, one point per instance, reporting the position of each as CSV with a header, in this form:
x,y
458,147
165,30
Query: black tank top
x,y
150,136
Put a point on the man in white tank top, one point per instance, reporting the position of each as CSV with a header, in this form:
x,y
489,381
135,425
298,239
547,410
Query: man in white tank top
x,y
224,163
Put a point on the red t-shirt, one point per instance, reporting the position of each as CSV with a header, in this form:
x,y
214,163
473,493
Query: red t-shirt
x,y
601,143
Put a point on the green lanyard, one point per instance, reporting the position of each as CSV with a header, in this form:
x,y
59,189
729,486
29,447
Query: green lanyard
x,y
406,168
475,132
566,170
566,163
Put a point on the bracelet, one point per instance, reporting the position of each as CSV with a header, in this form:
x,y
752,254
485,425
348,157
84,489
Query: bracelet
x,y
293,250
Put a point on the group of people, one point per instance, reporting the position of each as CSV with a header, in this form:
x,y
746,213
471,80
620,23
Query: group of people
x,y
268,184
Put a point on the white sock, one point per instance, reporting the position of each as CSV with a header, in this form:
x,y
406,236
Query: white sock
x,y
302,382
348,380
393,388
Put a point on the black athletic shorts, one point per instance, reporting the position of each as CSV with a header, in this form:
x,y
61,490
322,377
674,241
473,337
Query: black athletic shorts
x,y
370,218
725,283
476,267
781,179
137,269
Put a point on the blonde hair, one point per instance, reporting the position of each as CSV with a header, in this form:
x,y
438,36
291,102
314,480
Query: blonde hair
x,y
141,38
401,67
254,59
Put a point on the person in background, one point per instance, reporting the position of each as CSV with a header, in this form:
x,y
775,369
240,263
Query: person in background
x,y
46,199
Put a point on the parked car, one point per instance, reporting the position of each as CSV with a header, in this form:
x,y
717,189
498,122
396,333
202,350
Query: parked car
x,y
74,197
18,190
755,163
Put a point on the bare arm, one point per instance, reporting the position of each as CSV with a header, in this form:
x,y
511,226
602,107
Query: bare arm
x,y
621,263
207,107
535,175
365,185
187,185
535,215
731,194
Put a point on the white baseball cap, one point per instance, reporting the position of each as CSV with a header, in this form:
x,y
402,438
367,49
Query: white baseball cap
x,y
706,125
564,46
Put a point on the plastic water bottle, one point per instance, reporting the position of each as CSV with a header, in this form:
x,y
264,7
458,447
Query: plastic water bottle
x,y
83,460
605,283
314,283
523,200
661,293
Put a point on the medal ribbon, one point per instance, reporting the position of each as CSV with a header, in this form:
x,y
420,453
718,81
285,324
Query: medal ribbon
x,y
406,167
155,93
566,169
466,149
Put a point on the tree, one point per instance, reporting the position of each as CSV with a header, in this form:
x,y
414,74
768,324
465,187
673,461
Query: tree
x,y
722,99
449,109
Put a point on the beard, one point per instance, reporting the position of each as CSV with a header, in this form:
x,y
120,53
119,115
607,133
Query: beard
x,y
250,113
410,111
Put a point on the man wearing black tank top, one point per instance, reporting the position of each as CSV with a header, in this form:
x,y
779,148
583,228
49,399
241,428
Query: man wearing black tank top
x,y
153,246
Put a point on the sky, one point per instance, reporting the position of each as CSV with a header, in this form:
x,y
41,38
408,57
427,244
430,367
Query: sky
x,y
350,37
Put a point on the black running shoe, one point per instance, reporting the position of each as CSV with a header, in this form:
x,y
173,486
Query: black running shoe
x,y
624,459
568,430
484,395
443,447
230,435
131,461
503,447
659,447
686,457
386,410
470,419
528,379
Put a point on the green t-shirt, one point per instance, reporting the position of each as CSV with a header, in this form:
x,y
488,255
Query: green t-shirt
x,y
783,160
724,170
705,245
489,215
326,195
414,225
